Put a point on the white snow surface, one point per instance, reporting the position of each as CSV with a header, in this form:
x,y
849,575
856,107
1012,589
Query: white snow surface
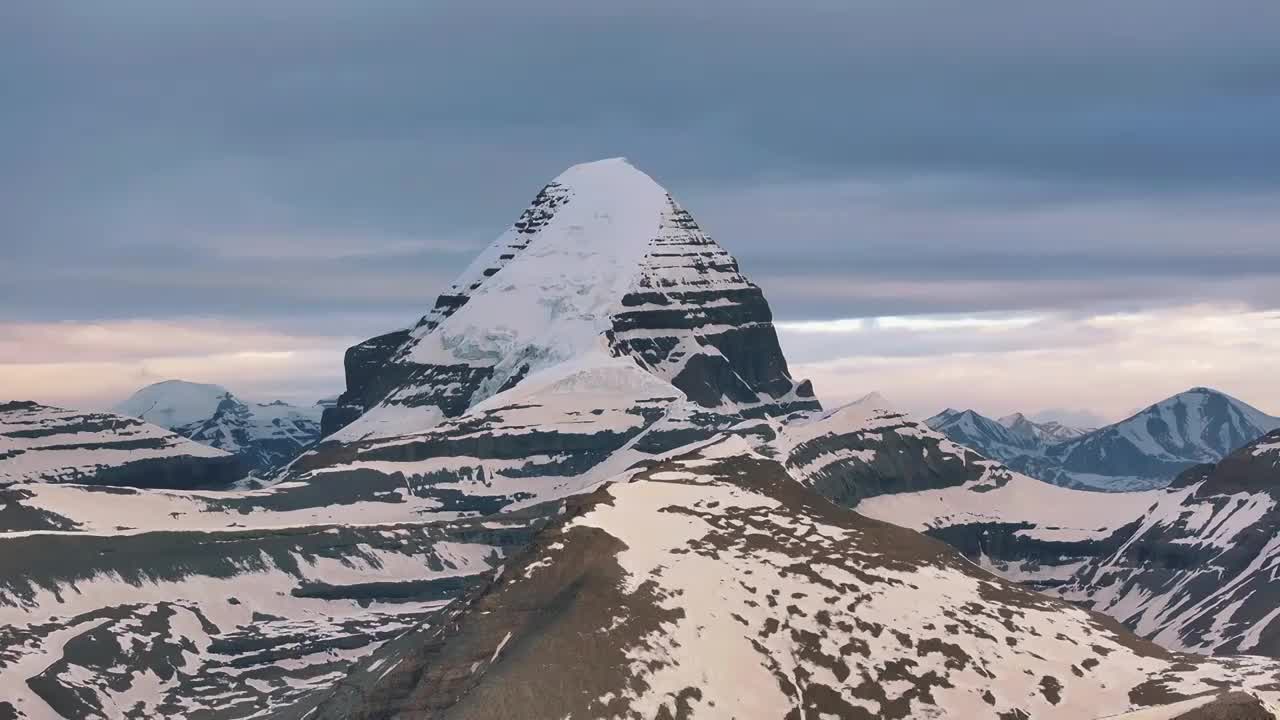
x,y
174,403
1057,513
554,299
191,409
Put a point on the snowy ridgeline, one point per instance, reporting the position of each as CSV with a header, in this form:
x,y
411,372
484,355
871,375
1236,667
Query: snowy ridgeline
x,y
265,436
1216,537
601,371
1145,451
45,444
723,588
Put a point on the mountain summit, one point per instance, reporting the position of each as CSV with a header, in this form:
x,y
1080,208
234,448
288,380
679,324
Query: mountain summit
x,y
265,436
603,264
1200,425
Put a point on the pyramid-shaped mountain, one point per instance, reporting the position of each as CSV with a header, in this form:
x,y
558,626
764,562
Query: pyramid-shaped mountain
x,y
603,264
602,327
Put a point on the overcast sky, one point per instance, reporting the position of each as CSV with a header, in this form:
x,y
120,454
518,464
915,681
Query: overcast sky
x,y
1000,205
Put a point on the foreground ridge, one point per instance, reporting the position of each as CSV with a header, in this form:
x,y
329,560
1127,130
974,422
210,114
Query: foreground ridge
x,y
714,585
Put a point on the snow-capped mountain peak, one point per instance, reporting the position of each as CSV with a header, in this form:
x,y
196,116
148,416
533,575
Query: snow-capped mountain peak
x,y
174,403
989,437
603,261
1048,433
264,435
873,400
1200,425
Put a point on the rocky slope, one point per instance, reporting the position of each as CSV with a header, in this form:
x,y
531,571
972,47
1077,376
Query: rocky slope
x,y
1200,572
893,467
1189,566
265,436
712,585
1220,706
1142,452
42,444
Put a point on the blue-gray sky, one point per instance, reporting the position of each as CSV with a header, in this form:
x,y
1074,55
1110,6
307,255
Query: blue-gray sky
x,y
234,191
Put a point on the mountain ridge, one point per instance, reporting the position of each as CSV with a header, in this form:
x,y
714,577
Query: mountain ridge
x,y
1198,571
42,444
1143,451
265,436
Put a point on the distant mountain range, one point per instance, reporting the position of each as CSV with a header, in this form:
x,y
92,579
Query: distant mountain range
x,y
1144,451
265,436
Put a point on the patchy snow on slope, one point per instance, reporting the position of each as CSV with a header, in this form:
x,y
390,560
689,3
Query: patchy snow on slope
x,y
725,589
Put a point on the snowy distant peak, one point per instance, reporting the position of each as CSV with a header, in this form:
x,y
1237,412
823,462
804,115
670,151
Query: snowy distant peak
x,y
1012,419
1146,450
1197,426
874,400
174,403
979,432
263,435
603,260
1049,432
1206,410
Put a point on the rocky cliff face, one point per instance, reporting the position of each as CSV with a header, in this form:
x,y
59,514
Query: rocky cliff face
x,y
1200,571
42,444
